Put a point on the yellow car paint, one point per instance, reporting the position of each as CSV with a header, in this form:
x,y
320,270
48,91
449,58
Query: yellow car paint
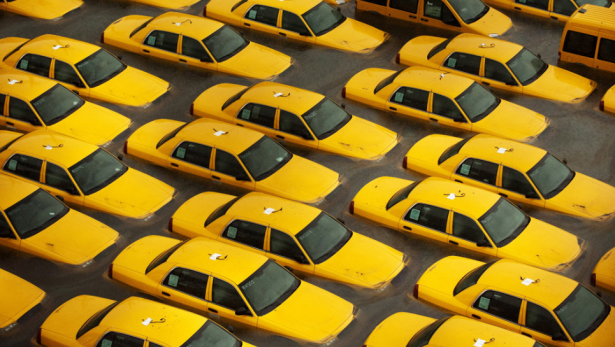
x,y
375,88
548,82
180,5
340,32
607,104
87,122
309,313
125,191
394,203
42,9
249,60
561,11
574,193
193,148
17,297
604,272
361,261
535,297
137,317
346,138
124,85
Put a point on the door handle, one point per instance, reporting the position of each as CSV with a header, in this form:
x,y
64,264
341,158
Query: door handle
x,y
458,181
166,294
407,227
433,119
486,83
175,165
453,242
212,310
411,16
239,124
526,334
504,195
424,20
475,316
555,19
215,177
518,8
146,51
183,60
280,137
246,24
392,108
10,123
282,34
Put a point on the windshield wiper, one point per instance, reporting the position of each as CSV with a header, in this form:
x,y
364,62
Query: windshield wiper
x,y
561,187
478,16
107,181
334,249
274,168
235,51
333,26
65,114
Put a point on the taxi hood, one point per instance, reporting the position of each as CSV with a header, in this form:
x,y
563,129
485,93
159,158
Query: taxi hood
x,y
354,36
131,87
603,336
256,61
45,9
561,85
23,294
512,121
67,319
586,197
493,22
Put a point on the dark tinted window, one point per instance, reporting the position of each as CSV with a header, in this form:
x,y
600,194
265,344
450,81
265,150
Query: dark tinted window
x,y
497,71
114,339
5,229
24,166
385,82
248,233
35,64
221,211
163,40
515,181
424,335
500,305
264,14
290,123
401,195
479,170
377,2
258,114
463,62
454,149
194,49
405,5
66,73
226,295
540,4
2,101
292,22
539,319
411,97
285,246
193,153
581,44
95,320
21,110
439,48
58,178
565,7
227,164
433,8
187,281
471,278
606,51
428,216
445,107
467,229
164,256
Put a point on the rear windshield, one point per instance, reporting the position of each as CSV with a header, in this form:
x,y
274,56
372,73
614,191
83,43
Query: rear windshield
x,y
234,98
385,82
164,256
211,335
422,337
95,320
221,211
454,149
471,278
439,48
401,195
170,135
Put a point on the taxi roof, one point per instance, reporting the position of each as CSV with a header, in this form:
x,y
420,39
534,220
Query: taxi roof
x,y
235,264
523,156
296,6
495,49
198,27
290,215
234,138
443,83
459,330
178,326
13,190
293,99
75,52
23,85
550,288
596,17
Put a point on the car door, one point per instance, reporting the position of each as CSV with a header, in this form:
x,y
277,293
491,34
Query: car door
x,y
464,64
404,9
294,27
497,75
263,18
478,173
24,167
540,324
225,300
292,128
535,7
68,77
119,339
245,234
7,235
258,117
605,59
161,44
437,13
185,287
21,116
194,53
59,183
562,9
465,232
284,249
516,186
426,220
36,64
228,169
497,308
408,101
446,111
191,157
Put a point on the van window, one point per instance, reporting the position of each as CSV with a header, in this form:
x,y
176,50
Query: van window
x,y
565,7
539,4
377,2
606,51
405,5
581,44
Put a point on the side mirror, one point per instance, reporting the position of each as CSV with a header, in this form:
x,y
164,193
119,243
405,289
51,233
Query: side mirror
x,y
61,198
511,83
341,221
565,161
289,268
343,106
339,9
483,243
119,57
519,206
242,177
459,120
599,293
120,157
303,260
559,336
242,311
306,135
305,33
539,56
531,195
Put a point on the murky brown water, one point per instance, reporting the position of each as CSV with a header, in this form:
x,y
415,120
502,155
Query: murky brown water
x,y
580,133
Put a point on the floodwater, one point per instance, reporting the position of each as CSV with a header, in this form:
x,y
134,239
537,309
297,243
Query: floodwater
x,y
579,133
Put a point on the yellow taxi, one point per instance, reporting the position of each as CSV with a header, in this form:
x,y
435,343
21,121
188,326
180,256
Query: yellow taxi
x,y
296,236
18,297
83,68
516,171
607,104
405,329
233,283
468,16
35,222
43,9
555,9
233,155
90,321
540,304
312,21
447,99
29,103
180,5
297,116
466,217
604,272
81,173
496,63
196,41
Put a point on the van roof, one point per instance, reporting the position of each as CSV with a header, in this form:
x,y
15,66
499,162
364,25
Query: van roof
x,y
594,17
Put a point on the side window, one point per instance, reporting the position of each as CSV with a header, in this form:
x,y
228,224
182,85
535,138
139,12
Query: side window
x,y
290,123
226,295
428,216
163,40
565,7
405,5
285,246
499,304
24,166
292,22
377,2
539,4
229,165
445,107
2,100
463,62
67,74
187,281
194,49
539,319
114,339
5,229
248,233
35,64
515,181
264,14
581,44
411,97
193,153
497,71
21,110
479,170
57,177
467,229
606,51
433,9
258,114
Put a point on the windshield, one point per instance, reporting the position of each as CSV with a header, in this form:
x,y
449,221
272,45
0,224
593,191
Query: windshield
x,y
56,104
582,312
550,176
323,237
35,213
323,18
504,222
96,171
212,335
603,3
477,102
264,158
527,67
326,118
268,287
402,194
225,43
422,338
99,67
469,10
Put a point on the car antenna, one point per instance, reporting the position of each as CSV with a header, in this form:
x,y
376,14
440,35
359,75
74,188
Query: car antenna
x,y
220,132
11,82
51,147
452,196
55,47
180,23
277,95
484,45
271,210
